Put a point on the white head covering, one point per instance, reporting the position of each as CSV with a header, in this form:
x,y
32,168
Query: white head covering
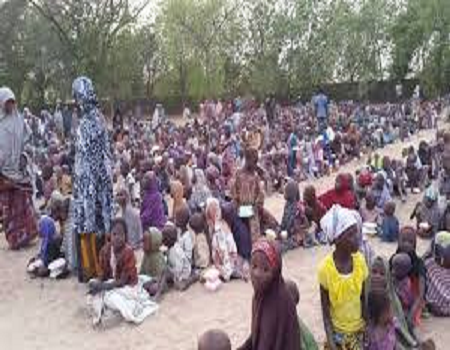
x,y
337,220
6,94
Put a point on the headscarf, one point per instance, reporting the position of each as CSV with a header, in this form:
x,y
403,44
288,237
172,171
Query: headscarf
x,y
337,220
13,135
442,239
153,261
84,93
93,188
47,231
200,192
406,339
152,208
344,196
274,316
177,191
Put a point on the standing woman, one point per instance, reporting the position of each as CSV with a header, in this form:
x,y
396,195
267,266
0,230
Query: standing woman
x,y
16,189
247,193
92,180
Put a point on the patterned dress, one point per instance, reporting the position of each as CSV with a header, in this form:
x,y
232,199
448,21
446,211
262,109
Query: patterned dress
x,y
93,188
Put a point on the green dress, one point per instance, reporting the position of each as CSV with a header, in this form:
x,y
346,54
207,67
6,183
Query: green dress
x,y
307,338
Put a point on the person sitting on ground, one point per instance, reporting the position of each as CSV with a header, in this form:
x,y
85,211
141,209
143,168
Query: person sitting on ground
x,y
179,258
369,212
438,276
152,207
427,214
407,243
307,338
49,251
118,289
202,253
380,191
131,217
342,277
294,221
412,170
274,316
390,225
342,194
223,247
214,340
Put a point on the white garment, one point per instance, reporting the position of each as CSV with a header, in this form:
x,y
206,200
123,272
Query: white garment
x,y
132,302
224,252
337,220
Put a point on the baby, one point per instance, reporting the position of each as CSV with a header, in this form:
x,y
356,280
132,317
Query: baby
x,y
390,226
214,340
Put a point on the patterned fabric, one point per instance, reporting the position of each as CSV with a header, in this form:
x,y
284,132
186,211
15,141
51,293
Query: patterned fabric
x,y
92,173
438,288
353,341
124,268
19,217
269,250
224,252
180,258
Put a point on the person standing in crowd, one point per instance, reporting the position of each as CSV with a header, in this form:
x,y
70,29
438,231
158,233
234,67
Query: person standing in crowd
x,y
92,180
320,103
16,188
67,121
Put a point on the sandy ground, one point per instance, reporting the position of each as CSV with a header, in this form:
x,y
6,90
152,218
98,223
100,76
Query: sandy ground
x,y
43,314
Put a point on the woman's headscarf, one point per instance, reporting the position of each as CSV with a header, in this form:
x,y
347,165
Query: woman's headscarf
x,y
337,220
13,135
343,196
84,93
152,208
274,316
200,192
177,192
406,339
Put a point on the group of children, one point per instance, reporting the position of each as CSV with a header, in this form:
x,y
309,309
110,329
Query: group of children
x,y
208,234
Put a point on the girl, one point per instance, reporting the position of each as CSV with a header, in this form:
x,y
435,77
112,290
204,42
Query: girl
x,y
380,278
342,194
153,263
407,242
294,221
274,317
118,288
202,253
50,249
200,191
342,277
427,214
152,208
177,192
224,250
131,217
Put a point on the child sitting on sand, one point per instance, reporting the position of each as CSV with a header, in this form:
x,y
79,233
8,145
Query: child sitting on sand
x,y
390,225
407,242
401,267
202,253
224,251
153,263
214,340
294,221
179,259
49,251
369,212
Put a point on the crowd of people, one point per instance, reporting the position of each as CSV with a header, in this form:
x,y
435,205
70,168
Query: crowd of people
x,y
192,197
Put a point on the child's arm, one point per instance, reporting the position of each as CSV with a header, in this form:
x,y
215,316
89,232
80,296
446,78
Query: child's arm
x,y
325,301
418,303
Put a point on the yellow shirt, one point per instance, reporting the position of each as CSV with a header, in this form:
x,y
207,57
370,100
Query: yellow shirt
x,y
344,293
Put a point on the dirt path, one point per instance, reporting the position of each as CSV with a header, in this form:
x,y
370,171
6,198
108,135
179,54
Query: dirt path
x,y
43,314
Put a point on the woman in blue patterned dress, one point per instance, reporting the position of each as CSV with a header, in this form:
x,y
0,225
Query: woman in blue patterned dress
x,y
93,180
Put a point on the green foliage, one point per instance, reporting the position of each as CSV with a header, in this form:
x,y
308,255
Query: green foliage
x,y
196,49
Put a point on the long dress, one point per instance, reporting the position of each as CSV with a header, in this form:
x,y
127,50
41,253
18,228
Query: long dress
x,y
246,191
16,189
93,188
